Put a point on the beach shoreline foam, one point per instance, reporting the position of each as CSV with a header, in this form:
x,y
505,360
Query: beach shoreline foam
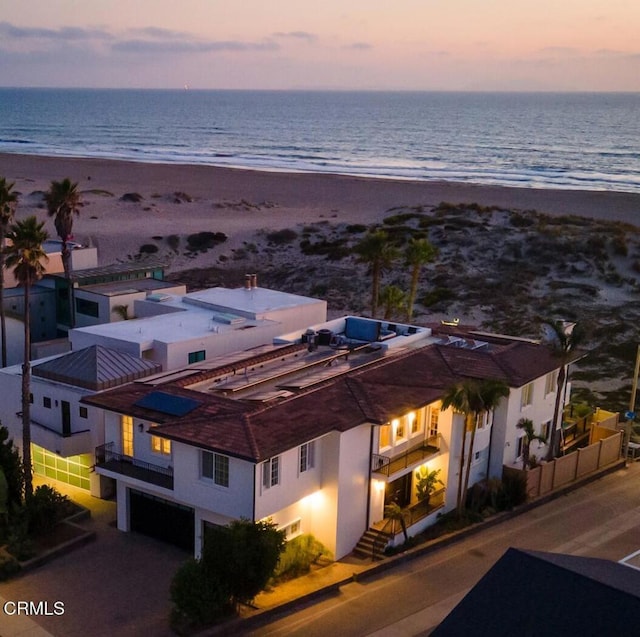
x,y
241,202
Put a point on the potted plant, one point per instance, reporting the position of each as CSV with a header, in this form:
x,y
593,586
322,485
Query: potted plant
x,y
426,483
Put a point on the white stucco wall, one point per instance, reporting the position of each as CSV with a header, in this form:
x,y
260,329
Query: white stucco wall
x,y
233,502
353,489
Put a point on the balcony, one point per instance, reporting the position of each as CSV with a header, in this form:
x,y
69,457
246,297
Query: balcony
x,y
109,460
415,456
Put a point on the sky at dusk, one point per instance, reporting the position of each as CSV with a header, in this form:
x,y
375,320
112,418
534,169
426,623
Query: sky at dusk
x,y
468,45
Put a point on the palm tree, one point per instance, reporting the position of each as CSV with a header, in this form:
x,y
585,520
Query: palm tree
x,y
26,256
472,398
395,512
63,202
529,436
393,299
376,250
8,203
563,338
419,253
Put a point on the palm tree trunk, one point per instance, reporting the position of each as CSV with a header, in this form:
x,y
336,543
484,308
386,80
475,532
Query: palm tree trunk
x,y
375,288
474,427
413,290
66,264
553,434
460,504
3,319
26,402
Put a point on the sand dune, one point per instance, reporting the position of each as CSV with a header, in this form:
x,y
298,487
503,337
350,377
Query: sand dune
x,y
240,202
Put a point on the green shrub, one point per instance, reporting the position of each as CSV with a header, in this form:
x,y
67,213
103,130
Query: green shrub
x,y
298,556
19,544
8,566
197,599
518,220
202,241
44,509
399,219
433,297
173,241
513,492
619,245
280,237
333,250
133,197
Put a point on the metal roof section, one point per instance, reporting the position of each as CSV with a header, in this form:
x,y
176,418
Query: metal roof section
x,y
95,368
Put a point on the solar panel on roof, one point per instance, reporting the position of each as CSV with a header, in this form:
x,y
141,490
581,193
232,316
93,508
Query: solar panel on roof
x,y
168,403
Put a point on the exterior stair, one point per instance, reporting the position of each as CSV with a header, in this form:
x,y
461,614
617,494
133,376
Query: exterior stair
x,y
372,544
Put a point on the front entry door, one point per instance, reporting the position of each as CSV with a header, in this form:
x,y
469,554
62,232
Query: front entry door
x,y
399,491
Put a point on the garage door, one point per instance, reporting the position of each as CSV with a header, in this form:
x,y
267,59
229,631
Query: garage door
x,y
162,519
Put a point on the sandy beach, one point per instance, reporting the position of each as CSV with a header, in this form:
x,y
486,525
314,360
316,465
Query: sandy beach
x,y
240,202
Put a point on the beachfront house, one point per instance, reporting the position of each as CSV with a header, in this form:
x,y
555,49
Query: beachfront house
x,y
64,432
177,329
317,433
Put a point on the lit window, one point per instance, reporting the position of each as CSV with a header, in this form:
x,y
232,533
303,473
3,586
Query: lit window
x,y
433,422
399,428
550,383
307,456
527,395
127,435
271,472
160,445
385,436
214,466
415,423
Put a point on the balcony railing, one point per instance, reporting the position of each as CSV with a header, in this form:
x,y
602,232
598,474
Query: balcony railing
x,y
107,458
388,465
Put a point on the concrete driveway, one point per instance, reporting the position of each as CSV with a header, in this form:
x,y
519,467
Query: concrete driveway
x,y
117,585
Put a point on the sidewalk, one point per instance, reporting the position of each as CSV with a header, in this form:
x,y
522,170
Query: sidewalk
x,y
18,625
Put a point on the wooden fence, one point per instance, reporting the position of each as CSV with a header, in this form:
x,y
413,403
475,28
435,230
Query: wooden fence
x,y
562,471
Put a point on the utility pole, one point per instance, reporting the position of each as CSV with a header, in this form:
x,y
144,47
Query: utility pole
x,y
630,415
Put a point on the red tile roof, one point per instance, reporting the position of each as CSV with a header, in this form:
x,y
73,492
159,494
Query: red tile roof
x,y
385,389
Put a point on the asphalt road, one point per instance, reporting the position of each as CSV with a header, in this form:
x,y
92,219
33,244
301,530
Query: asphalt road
x,y
601,519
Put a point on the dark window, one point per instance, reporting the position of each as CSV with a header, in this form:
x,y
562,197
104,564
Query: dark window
x,y
271,472
214,466
46,401
195,357
88,308
84,413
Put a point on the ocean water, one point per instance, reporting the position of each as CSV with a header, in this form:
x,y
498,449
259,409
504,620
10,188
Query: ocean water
x,y
545,140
